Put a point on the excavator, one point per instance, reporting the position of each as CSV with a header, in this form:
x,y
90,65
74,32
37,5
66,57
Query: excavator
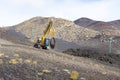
x,y
44,42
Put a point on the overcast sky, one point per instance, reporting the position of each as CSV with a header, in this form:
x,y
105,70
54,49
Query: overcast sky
x,y
15,11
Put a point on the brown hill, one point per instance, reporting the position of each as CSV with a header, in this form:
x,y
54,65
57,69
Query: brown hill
x,y
111,28
115,23
65,29
84,22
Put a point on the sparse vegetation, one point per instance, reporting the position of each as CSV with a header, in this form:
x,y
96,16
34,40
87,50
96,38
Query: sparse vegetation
x,y
15,68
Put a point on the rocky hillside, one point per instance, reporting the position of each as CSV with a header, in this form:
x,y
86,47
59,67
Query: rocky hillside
x,y
13,36
115,23
65,29
66,32
22,62
108,28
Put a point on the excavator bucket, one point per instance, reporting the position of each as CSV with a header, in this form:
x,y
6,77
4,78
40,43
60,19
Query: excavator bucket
x,y
52,43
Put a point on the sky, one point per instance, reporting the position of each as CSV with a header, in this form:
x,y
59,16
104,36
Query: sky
x,y
13,12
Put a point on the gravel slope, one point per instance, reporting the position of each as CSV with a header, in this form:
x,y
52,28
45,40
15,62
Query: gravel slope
x,y
53,61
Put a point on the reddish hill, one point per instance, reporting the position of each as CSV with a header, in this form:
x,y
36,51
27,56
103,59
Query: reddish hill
x,y
97,25
115,23
111,28
84,22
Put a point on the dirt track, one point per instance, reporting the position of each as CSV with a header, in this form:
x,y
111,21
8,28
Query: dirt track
x,y
54,61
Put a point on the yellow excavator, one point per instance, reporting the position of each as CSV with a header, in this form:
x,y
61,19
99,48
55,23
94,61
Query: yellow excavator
x,y
46,43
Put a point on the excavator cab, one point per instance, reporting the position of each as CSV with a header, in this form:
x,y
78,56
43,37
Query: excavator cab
x,y
44,42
